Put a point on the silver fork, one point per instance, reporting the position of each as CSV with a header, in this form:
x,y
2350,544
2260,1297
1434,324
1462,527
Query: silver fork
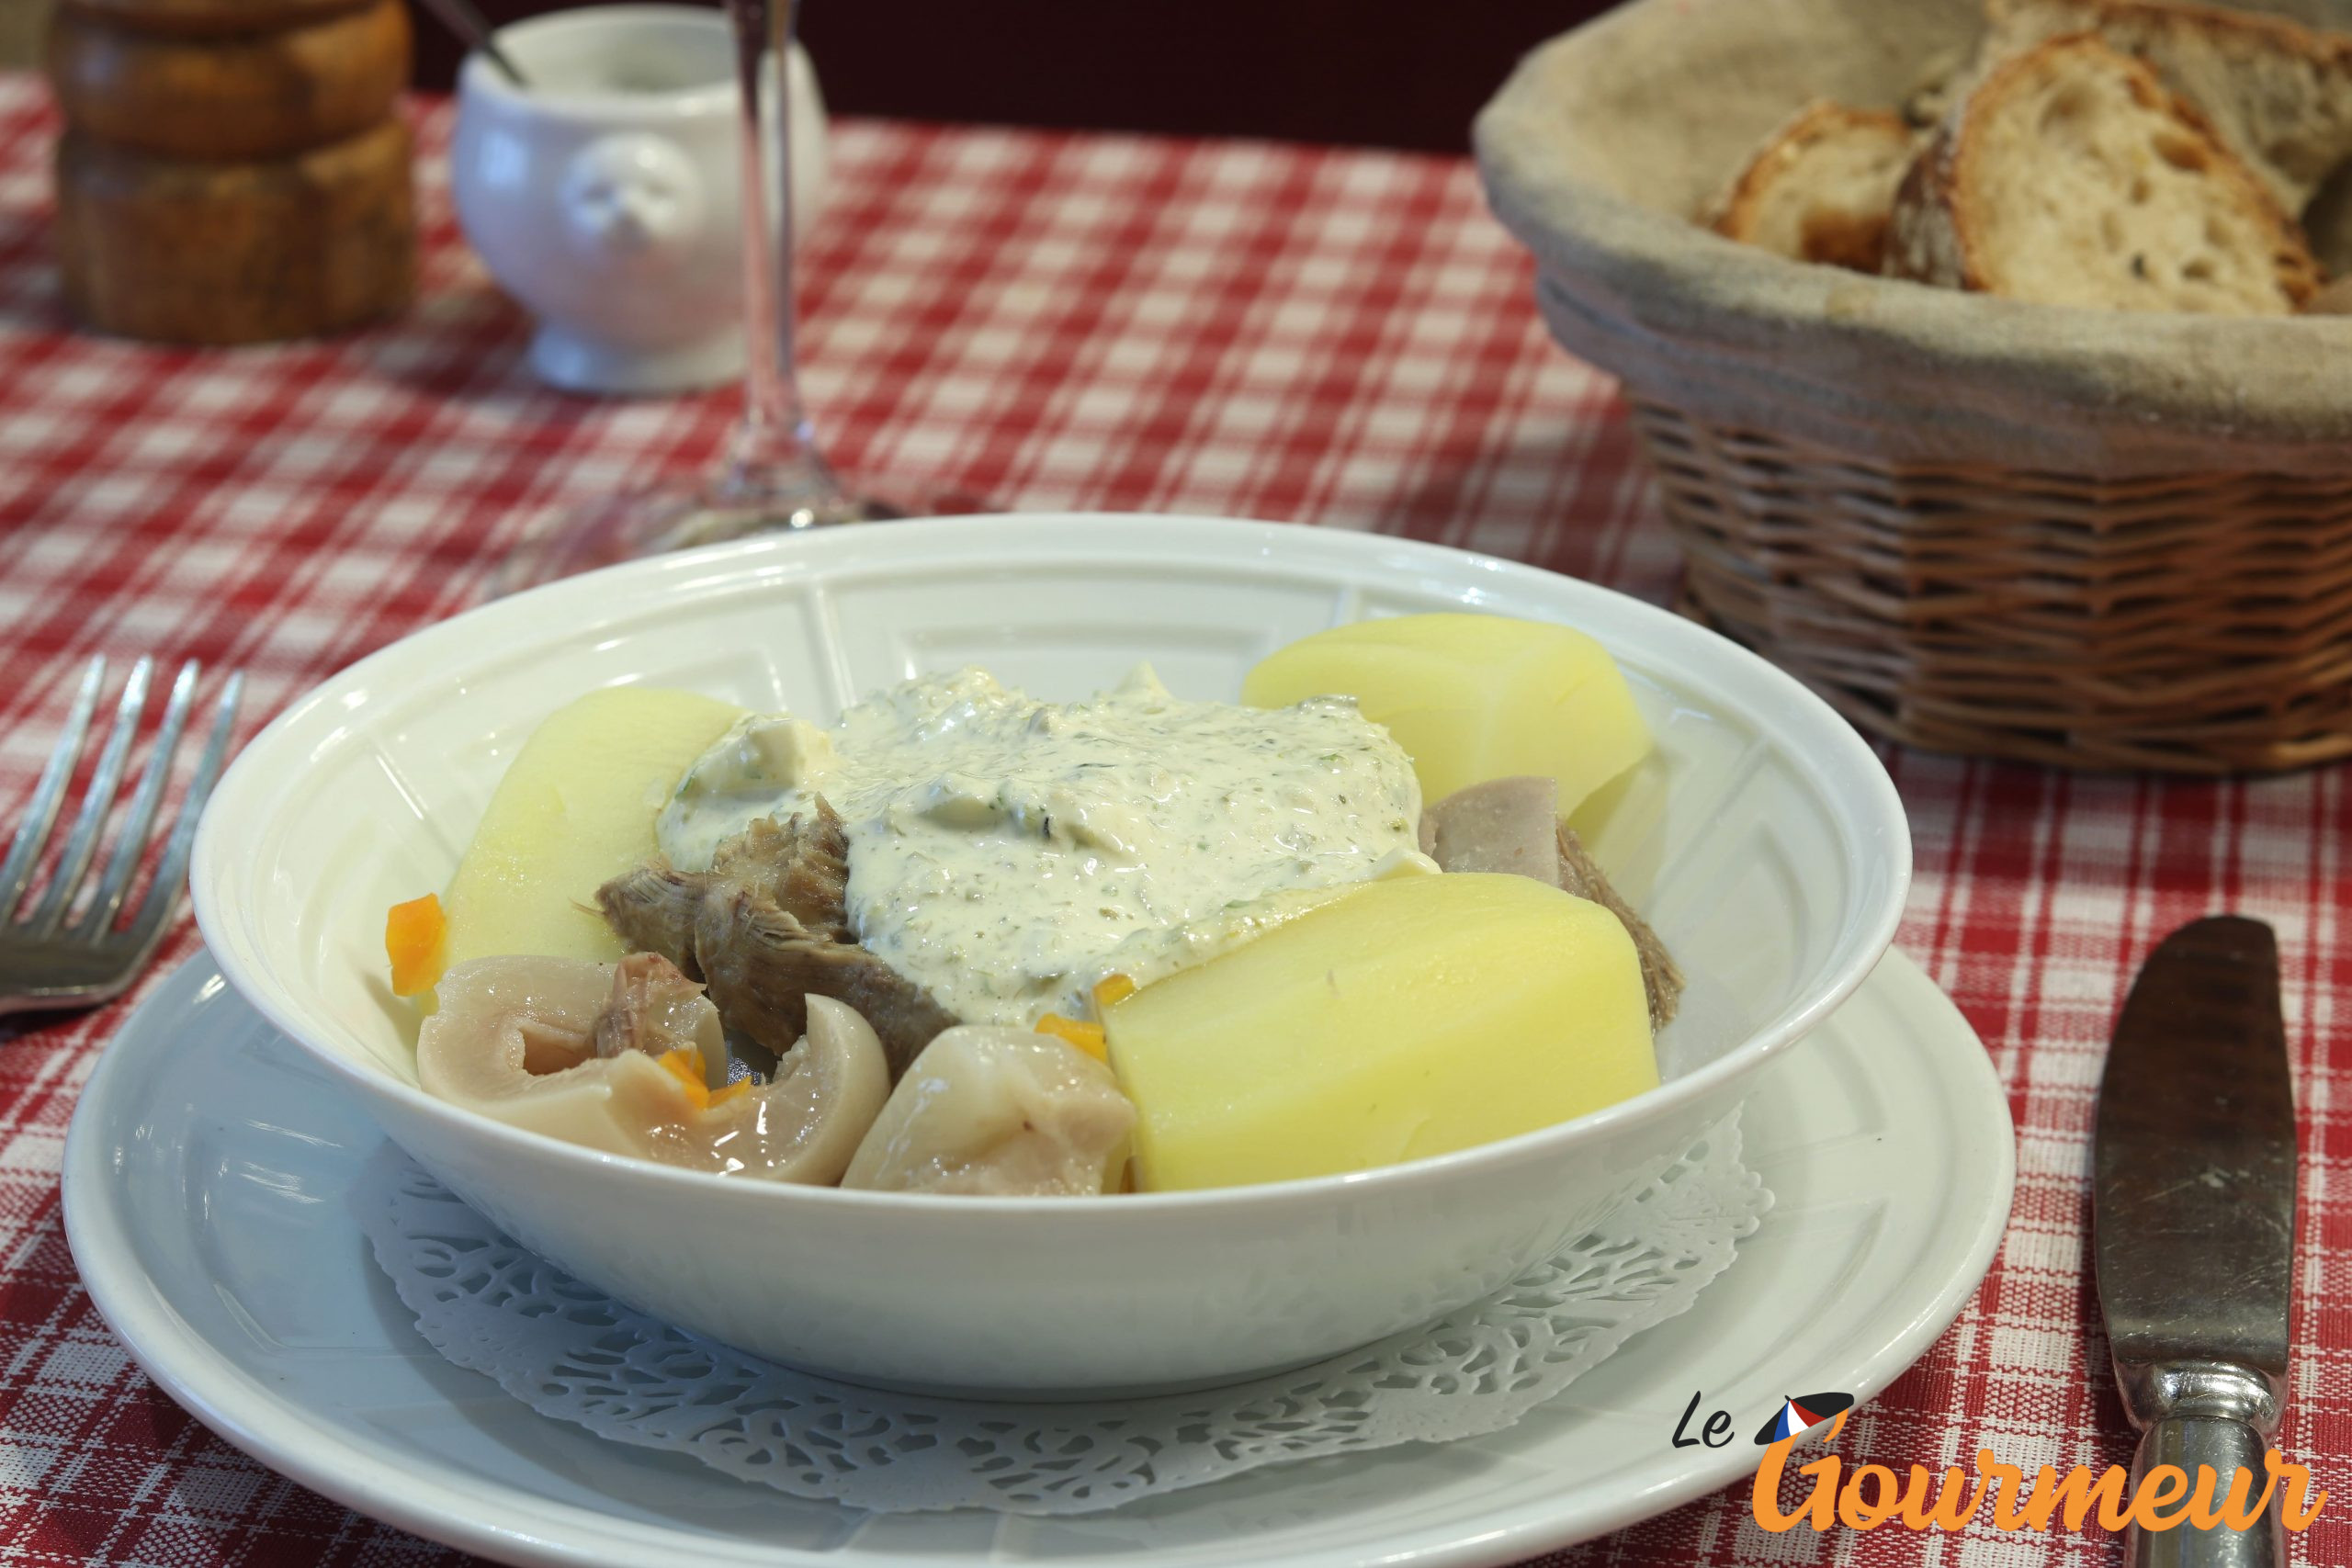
x,y
49,960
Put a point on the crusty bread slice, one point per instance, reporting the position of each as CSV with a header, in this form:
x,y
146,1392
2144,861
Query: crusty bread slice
x,y
2278,94
1821,187
2071,176
2336,299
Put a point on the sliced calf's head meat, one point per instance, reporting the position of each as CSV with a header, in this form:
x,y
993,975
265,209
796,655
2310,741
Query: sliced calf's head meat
x,y
1661,977
762,965
651,909
766,927
801,867
655,1008
1504,825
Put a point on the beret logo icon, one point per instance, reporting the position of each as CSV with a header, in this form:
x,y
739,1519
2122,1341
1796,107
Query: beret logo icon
x,y
1800,1413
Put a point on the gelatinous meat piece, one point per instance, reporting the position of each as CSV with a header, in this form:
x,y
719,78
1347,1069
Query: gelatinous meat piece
x,y
999,1113
478,1049
655,1008
1504,825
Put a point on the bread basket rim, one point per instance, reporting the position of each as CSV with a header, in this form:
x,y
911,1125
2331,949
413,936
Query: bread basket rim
x,y
1663,278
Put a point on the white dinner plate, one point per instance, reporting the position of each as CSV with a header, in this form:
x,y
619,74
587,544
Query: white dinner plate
x,y
206,1188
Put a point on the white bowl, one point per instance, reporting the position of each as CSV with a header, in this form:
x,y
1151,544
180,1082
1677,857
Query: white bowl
x,y
1763,838
607,196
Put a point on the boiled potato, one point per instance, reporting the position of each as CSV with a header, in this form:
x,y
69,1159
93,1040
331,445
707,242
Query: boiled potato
x,y
1472,697
1413,1017
575,809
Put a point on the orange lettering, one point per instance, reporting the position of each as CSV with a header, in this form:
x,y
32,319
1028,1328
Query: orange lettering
x,y
1764,1501
1954,1506
2004,1480
2163,1486
2292,1511
2207,1510
1821,1508
2163,1498
1764,1495
2241,1513
2075,1496
1856,1514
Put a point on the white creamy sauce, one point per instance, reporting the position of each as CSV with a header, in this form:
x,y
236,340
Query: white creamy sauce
x,y
1007,853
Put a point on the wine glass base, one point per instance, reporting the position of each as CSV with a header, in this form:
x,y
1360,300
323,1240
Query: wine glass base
x,y
676,516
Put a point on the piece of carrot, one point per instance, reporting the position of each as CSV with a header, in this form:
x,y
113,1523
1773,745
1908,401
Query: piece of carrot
x,y
1087,1037
1110,990
416,939
684,1064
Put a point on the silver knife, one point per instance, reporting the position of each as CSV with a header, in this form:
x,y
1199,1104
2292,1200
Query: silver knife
x,y
2194,1221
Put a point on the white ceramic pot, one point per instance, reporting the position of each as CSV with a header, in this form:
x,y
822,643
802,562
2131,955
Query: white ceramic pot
x,y
607,196
1763,840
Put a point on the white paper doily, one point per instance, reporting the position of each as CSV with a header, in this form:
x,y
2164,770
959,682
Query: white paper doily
x,y
569,1351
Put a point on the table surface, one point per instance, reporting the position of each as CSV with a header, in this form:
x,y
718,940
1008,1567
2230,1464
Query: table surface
x,y
1341,338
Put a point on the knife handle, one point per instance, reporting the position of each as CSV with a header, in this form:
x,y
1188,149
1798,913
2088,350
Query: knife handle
x,y
2218,1416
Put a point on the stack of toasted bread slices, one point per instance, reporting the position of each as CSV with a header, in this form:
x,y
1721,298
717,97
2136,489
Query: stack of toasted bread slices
x,y
2131,154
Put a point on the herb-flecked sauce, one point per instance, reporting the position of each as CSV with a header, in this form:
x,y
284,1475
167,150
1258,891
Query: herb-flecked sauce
x,y
1007,853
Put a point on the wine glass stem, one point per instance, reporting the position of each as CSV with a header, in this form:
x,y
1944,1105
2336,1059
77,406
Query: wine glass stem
x,y
773,447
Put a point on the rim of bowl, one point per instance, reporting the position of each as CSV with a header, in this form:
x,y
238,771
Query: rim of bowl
x,y
1855,763
479,79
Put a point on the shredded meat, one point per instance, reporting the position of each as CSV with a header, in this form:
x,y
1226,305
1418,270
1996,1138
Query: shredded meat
x,y
652,909
763,965
766,926
652,1008
801,867
1512,826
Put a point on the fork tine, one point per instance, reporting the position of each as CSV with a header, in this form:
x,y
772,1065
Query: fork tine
x,y
97,800
155,910
32,834
138,819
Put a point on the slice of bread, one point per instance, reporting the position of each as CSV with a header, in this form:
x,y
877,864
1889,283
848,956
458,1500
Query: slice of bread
x,y
1821,187
2071,176
2336,299
2278,94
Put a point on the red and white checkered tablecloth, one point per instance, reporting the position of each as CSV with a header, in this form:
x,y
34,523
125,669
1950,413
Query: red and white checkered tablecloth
x,y
1335,337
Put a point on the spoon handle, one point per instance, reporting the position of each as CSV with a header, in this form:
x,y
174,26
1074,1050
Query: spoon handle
x,y
462,19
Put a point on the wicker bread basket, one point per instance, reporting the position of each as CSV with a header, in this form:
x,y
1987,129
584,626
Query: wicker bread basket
x,y
2090,539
